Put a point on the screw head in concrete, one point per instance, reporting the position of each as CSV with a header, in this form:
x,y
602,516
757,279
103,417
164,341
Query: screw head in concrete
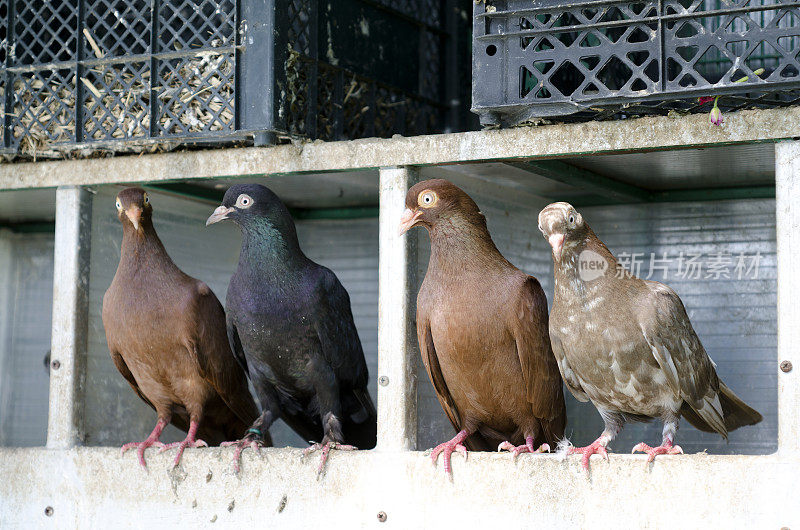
x,y
48,511
55,365
383,380
786,366
382,517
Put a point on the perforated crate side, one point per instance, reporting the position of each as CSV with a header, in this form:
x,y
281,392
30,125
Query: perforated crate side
x,y
360,68
550,58
122,73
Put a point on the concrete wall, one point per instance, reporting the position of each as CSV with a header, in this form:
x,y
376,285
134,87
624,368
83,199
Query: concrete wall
x,y
96,488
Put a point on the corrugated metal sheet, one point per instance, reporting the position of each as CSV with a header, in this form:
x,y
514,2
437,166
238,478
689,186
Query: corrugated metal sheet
x,y
114,415
735,318
26,294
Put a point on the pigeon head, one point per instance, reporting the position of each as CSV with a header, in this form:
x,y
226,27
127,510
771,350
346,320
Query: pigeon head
x,y
250,205
133,207
431,202
562,226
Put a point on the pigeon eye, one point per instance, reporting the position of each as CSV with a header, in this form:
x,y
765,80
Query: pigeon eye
x,y
427,199
146,199
571,219
119,205
244,201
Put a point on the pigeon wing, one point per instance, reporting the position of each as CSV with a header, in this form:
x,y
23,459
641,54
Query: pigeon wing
x,y
676,348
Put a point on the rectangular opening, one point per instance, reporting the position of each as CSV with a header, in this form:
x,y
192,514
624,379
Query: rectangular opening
x,y
26,298
715,207
337,226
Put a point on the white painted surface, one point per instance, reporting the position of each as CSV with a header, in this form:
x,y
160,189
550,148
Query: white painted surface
x,y
397,341
96,488
65,427
787,182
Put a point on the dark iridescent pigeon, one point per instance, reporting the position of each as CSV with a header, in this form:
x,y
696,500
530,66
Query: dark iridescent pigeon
x,y
290,325
627,345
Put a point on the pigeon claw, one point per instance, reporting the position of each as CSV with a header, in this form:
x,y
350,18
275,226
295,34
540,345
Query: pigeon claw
x,y
326,449
446,449
188,442
595,448
527,447
652,452
141,446
250,440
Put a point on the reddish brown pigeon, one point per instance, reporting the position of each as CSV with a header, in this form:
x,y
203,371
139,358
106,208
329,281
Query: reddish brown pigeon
x,y
167,336
627,345
482,330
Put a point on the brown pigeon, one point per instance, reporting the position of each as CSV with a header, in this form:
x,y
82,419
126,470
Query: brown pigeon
x,y
167,336
627,344
482,331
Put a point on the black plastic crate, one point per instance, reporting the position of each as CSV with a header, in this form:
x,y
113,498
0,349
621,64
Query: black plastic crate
x,y
140,74
597,59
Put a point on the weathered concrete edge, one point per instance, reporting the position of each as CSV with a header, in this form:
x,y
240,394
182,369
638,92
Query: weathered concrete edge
x,y
523,142
96,487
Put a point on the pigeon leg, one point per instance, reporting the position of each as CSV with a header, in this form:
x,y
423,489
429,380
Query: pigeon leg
x,y
446,449
189,441
667,446
333,432
253,438
151,441
613,424
597,447
527,447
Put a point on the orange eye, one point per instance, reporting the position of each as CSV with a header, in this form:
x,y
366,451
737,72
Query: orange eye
x,y
427,199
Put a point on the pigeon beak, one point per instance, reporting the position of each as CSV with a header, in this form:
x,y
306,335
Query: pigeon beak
x,y
220,214
408,220
134,214
557,242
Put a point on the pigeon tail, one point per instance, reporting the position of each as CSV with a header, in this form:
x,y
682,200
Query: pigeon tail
x,y
737,413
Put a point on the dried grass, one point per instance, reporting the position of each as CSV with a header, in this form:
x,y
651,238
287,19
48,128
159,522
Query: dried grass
x,y
197,96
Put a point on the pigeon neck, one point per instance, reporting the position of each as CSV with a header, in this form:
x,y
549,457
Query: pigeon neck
x,y
457,245
266,247
143,246
581,267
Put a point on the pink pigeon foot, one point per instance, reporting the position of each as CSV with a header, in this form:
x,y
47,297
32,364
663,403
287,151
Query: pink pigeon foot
x,y
446,449
666,448
326,449
151,441
526,448
253,439
189,441
597,447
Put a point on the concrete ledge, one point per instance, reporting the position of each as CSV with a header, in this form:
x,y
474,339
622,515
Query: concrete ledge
x,y
97,488
523,142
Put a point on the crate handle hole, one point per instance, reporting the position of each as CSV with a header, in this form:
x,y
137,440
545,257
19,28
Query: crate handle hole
x,y
491,50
